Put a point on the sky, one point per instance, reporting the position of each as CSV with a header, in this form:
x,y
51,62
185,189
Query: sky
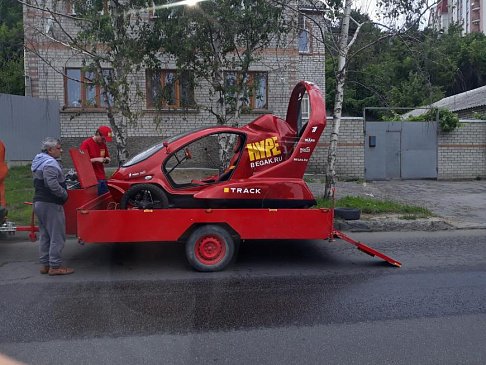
x,y
370,7
366,6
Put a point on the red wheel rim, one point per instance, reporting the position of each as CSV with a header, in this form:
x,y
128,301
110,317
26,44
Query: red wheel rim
x,y
210,250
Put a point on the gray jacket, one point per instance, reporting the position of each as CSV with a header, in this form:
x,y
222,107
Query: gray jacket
x,y
49,181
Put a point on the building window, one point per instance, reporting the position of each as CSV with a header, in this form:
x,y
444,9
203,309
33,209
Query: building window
x,y
82,90
304,35
255,96
169,89
305,111
305,107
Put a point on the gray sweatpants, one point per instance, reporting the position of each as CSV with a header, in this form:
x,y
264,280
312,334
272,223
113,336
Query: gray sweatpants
x,y
52,230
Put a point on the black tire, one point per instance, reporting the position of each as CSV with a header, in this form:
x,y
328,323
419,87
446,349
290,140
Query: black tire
x,y
349,214
3,214
144,196
210,248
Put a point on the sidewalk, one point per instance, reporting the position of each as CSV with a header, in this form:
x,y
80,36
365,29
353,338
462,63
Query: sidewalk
x,y
456,204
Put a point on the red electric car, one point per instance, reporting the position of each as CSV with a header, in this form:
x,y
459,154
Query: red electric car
x,y
264,167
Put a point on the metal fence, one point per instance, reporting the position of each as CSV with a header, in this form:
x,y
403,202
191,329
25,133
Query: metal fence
x,y
24,123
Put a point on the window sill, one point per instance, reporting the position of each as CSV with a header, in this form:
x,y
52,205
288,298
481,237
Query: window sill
x,y
256,111
171,110
68,109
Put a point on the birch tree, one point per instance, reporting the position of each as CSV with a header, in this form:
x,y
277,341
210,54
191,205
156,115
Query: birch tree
x,y
400,15
342,54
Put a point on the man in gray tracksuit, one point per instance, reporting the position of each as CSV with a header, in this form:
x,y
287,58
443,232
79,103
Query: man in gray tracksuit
x,y
49,196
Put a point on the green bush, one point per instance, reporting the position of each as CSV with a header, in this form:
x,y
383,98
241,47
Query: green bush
x,y
481,116
448,121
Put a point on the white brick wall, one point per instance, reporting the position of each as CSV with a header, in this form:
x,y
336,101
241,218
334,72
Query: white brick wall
x,y
462,153
350,152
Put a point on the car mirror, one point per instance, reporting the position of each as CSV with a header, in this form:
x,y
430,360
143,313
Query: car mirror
x,y
166,145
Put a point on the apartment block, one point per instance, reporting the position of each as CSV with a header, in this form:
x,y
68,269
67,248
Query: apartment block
x,y
468,13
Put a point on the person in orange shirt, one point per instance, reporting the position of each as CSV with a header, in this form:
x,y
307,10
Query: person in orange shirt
x,y
3,174
97,151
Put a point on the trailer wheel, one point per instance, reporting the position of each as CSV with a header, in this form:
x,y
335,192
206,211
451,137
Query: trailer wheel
x,y
144,196
210,248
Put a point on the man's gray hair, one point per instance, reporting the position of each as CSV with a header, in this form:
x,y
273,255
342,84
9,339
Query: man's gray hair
x,y
49,142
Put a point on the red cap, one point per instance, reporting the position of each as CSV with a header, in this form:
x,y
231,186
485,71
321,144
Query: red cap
x,y
106,133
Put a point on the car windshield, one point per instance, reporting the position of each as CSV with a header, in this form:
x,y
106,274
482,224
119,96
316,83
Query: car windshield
x,y
180,135
144,155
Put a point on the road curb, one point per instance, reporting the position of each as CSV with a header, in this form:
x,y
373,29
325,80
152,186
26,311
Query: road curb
x,y
377,224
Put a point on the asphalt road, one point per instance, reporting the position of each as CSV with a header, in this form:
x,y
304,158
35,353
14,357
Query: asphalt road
x,y
280,303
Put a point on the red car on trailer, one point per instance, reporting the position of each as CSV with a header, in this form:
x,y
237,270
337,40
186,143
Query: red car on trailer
x,y
266,167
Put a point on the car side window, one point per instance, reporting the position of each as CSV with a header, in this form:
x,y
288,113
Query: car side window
x,y
207,160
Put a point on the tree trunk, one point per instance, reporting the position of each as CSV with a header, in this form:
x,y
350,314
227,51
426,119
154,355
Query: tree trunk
x,y
119,129
338,101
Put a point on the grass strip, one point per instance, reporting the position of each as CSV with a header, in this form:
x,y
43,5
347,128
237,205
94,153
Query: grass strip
x,y
19,188
369,205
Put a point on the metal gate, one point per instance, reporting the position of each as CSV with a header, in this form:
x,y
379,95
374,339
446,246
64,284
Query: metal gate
x,y
400,150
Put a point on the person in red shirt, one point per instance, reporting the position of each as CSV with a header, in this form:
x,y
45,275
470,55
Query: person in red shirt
x,y
96,148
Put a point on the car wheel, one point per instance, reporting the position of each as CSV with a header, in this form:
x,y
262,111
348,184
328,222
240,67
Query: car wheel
x,y
144,196
349,214
210,248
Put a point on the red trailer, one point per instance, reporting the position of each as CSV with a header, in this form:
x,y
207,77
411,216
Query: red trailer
x,y
211,236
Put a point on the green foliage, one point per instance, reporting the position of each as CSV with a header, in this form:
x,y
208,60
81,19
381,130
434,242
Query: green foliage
x,y
414,90
448,121
410,69
11,48
406,12
376,206
480,116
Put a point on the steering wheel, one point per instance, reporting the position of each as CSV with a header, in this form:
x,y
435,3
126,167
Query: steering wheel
x,y
187,153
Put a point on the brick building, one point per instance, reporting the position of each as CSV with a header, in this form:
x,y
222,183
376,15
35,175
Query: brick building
x,y
53,71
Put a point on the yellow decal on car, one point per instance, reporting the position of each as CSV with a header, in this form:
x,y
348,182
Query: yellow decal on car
x,y
265,148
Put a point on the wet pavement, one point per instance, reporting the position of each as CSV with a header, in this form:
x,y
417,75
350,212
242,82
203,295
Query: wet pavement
x,y
456,204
